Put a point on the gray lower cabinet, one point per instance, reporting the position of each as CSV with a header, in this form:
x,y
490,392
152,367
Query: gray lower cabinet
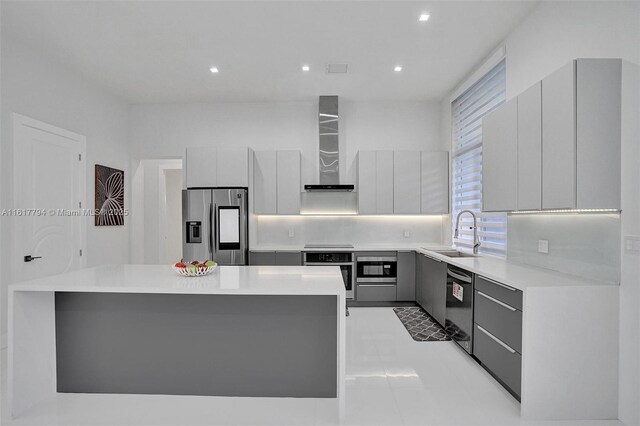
x,y
288,258
502,361
262,258
376,292
431,286
280,258
497,343
406,285
424,295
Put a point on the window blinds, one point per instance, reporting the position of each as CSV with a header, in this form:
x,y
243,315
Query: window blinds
x,y
484,96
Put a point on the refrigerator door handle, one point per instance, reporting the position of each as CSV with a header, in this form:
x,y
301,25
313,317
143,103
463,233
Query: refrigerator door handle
x,y
211,246
215,228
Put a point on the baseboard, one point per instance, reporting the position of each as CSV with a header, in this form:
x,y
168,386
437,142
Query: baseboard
x,y
3,341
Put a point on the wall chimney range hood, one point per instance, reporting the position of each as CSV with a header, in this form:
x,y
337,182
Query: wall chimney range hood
x,y
329,164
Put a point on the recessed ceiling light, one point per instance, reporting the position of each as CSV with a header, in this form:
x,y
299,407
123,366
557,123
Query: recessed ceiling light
x,y
305,68
424,17
397,68
213,69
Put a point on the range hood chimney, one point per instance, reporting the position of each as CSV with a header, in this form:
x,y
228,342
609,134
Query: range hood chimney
x,y
329,165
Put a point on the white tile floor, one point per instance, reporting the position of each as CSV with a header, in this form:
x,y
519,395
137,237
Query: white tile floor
x,y
391,380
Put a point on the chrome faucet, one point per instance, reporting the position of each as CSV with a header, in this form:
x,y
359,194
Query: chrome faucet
x,y
476,242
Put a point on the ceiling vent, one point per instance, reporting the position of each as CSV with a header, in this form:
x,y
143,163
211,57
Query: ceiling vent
x,y
337,68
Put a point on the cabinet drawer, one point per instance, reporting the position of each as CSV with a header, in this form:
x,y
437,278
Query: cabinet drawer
x,y
502,362
376,292
499,319
503,293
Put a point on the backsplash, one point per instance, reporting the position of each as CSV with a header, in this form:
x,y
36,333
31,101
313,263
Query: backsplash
x,y
585,245
275,230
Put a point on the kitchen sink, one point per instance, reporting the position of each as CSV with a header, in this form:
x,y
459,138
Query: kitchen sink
x,y
454,253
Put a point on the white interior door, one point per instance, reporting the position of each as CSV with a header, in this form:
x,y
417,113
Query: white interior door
x,y
49,191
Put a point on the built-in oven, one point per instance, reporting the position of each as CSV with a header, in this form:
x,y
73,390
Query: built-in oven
x,y
459,307
377,269
342,259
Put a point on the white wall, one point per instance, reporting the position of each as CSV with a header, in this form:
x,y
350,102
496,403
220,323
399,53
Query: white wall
x,y
164,131
171,225
586,245
552,35
557,32
39,87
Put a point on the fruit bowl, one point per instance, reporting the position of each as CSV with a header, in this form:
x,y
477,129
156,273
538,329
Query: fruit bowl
x,y
192,270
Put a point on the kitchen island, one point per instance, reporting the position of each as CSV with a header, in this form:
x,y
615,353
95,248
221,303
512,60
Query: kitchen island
x,y
248,331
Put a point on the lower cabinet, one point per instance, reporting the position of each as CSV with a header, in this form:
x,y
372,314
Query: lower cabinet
x,y
497,334
406,286
280,258
289,258
262,258
431,286
376,292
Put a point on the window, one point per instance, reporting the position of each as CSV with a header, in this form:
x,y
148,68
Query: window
x,y
467,110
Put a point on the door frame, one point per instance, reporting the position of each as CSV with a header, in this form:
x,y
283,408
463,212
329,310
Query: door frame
x,y
20,122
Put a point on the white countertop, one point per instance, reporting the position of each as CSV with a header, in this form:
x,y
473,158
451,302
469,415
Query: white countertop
x,y
355,248
247,280
513,274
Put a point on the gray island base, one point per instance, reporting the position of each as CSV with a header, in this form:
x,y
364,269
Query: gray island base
x,y
242,331
184,344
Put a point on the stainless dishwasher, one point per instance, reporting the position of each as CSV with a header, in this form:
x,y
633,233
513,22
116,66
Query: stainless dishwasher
x,y
459,307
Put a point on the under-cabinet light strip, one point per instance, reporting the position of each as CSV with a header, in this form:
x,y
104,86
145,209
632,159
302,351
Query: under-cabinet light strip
x,y
566,211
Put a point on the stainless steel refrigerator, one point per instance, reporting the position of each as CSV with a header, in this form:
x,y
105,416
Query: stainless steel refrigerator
x,y
215,225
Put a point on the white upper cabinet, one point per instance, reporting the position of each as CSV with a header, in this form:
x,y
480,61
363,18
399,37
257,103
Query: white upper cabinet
x,y
559,139
276,182
406,182
367,182
201,167
264,182
598,133
403,182
500,158
233,168
211,167
569,130
434,182
288,182
530,148
375,182
384,179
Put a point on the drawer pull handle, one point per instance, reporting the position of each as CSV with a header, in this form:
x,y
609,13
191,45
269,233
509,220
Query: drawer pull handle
x,y
504,305
499,284
498,341
376,285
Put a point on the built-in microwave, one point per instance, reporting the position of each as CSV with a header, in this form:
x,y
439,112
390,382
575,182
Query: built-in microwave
x,y
376,269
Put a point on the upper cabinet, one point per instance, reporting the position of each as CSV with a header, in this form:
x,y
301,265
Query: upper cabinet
x,y
406,182
211,167
559,139
403,182
276,182
566,142
500,158
530,148
375,182
599,133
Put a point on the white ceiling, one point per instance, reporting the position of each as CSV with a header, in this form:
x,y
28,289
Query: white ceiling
x,y
162,51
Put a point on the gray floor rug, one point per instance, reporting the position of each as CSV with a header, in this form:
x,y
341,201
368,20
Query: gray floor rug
x,y
420,325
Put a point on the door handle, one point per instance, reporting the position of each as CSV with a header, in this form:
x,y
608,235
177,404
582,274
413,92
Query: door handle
x,y
29,258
